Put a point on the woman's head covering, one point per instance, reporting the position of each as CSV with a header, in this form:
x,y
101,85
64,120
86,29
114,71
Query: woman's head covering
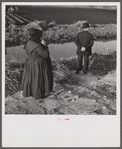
x,y
34,32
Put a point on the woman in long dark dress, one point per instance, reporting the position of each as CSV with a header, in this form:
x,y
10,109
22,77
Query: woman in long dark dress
x,y
37,77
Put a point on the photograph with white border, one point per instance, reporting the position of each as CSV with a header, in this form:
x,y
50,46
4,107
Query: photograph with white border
x,y
60,74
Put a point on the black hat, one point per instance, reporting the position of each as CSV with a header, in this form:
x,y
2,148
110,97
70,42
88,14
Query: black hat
x,y
85,25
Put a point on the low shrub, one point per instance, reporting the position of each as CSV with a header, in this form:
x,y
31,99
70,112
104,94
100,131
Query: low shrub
x,y
62,74
103,64
98,64
54,33
13,78
69,62
14,72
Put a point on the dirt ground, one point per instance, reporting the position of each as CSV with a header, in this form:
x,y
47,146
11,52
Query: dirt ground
x,y
94,95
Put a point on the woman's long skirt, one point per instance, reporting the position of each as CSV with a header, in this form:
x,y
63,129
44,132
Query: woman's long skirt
x,y
37,78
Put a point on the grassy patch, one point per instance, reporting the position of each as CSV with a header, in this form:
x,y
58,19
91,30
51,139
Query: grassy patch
x,y
62,74
103,64
99,64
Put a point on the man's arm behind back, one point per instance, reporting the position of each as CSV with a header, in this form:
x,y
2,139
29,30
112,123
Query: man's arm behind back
x,y
84,39
91,43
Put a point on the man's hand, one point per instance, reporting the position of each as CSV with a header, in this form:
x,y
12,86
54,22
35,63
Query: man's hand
x,y
83,49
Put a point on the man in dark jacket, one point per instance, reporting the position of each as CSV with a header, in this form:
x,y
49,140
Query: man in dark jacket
x,y
84,42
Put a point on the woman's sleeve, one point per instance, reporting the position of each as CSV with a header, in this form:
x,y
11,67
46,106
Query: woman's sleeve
x,y
24,47
42,52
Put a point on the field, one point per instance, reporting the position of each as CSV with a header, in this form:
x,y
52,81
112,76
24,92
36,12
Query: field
x,y
64,15
61,24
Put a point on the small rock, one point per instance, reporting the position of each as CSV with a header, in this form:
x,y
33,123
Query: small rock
x,y
68,96
108,102
104,97
104,108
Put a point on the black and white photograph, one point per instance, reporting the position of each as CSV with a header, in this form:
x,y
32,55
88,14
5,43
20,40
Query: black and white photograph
x,y
61,60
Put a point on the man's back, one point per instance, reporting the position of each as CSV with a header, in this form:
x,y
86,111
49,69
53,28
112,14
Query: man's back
x,y
84,39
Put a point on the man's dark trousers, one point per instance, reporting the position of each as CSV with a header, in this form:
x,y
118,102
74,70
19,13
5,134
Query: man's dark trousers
x,y
86,40
84,54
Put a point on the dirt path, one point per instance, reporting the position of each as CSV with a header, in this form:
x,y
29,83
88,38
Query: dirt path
x,y
94,95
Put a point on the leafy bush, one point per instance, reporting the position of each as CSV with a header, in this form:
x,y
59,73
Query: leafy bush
x,y
13,78
70,62
54,33
51,24
98,64
62,74
103,64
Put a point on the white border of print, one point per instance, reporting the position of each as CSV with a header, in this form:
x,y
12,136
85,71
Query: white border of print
x,y
46,131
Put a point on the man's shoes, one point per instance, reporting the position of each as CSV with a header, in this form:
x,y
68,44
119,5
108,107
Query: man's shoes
x,y
84,72
77,72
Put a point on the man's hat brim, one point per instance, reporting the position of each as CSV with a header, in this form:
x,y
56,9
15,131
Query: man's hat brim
x,y
85,26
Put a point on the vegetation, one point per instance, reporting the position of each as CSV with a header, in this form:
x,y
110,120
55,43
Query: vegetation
x,y
99,65
14,72
56,33
67,33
